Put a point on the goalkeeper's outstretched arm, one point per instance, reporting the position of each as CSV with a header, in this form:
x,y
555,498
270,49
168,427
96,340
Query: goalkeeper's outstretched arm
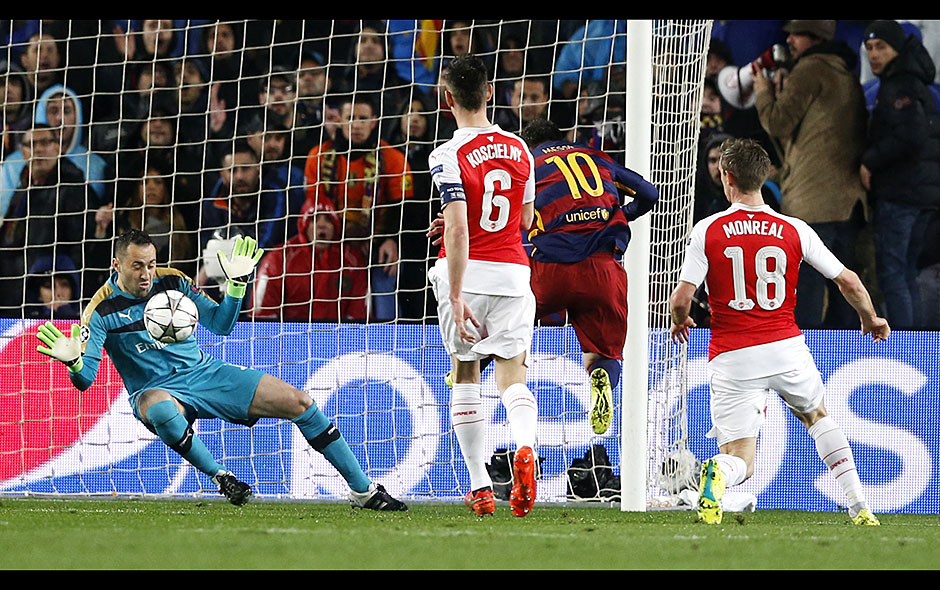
x,y
81,360
220,318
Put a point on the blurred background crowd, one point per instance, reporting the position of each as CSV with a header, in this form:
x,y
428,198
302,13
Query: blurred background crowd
x,y
312,136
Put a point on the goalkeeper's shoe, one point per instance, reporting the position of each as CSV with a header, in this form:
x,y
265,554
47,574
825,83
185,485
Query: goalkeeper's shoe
x,y
376,498
481,501
235,491
602,401
711,488
865,518
522,496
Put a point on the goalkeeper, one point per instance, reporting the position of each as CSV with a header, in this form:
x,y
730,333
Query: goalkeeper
x,y
171,386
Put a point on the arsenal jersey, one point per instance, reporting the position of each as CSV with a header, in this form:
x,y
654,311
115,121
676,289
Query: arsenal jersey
x,y
749,259
492,170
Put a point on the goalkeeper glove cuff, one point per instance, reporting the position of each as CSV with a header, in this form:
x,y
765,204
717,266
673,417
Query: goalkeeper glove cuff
x,y
76,365
236,289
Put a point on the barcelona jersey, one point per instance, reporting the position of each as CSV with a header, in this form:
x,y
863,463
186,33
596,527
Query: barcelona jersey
x,y
580,203
114,322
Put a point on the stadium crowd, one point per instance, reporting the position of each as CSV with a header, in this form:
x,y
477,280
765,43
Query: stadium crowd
x,y
313,138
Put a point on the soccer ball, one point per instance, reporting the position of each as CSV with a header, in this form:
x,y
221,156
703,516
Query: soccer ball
x,y
170,317
679,471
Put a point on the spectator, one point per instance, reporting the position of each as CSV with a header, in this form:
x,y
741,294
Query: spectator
x,y
313,85
371,71
241,203
42,62
712,115
600,120
528,102
270,143
53,289
817,113
510,67
278,101
366,179
148,207
414,133
16,101
901,164
314,276
719,57
60,109
46,214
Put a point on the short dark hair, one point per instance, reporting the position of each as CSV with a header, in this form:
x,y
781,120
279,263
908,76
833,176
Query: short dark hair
x,y
136,237
748,161
466,78
540,131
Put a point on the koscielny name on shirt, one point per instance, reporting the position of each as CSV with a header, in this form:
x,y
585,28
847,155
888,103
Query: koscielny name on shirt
x,y
493,151
740,227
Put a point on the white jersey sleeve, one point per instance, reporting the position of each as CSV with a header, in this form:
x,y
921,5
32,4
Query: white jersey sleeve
x,y
445,173
695,267
815,251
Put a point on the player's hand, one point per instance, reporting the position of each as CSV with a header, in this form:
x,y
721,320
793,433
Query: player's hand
x,y
680,332
66,349
436,230
878,328
388,256
462,314
245,256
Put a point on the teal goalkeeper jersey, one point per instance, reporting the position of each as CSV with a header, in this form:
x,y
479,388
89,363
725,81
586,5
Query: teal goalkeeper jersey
x,y
114,321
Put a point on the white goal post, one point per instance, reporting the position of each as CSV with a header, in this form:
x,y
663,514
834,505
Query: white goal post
x,y
156,121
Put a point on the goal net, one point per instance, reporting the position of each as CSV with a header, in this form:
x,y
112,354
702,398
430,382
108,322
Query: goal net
x,y
312,137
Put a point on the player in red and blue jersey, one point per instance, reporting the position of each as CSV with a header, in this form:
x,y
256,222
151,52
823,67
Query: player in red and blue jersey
x,y
580,234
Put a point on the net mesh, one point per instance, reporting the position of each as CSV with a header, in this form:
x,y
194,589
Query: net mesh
x,y
295,131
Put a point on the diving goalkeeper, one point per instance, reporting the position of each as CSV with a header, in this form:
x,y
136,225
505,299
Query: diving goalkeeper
x,y
173,385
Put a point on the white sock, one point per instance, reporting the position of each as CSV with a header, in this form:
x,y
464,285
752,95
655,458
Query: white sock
x,y
522,412
833,448
466,414
733,468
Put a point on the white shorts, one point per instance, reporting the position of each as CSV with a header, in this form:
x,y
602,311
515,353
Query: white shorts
x,y
738,405
506,324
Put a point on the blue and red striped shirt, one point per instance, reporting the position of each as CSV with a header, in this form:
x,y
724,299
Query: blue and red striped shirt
x,y
579,203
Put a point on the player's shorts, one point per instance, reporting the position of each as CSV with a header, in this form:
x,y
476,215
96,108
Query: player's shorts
x,y
594,293
214,389
738,406
506,324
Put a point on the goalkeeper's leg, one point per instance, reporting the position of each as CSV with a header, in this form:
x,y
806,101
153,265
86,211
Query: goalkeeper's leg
x,y
276,399
163,414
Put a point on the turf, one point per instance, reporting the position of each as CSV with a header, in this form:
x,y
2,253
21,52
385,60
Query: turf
x,y
159,535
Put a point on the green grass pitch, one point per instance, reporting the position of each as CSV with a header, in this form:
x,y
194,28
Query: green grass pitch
x,y
209,534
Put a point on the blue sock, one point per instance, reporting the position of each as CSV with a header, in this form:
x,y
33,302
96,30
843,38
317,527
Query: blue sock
x,y
612,366
174,430
327,440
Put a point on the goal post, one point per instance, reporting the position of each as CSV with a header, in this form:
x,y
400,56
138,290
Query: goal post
x,y
168,112
634,388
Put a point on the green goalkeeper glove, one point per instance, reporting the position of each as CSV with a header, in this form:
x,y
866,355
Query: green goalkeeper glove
x,y
67,349
245,256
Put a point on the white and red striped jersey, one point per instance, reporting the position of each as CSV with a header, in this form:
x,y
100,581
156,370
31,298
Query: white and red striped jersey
x,y
749,259
493,171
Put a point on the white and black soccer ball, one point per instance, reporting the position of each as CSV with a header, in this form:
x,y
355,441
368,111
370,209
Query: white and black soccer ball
x,y
679,471
170,317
